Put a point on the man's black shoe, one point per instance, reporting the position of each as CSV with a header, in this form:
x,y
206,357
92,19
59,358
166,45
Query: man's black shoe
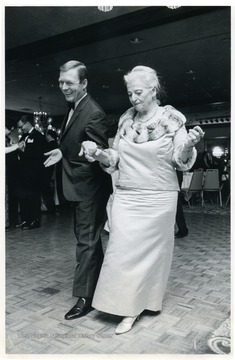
x,y
19,225
33,225
82,308
180,234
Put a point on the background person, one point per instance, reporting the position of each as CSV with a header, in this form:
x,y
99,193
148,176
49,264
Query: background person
x,y
150,143
30,173
84,183
48,186
11,178
180,218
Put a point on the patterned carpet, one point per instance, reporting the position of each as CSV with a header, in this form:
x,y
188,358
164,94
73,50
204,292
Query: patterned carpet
x,y
219,341
207,209
195,317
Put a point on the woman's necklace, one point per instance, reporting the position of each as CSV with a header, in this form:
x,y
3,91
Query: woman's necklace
x,y
140,124
145,118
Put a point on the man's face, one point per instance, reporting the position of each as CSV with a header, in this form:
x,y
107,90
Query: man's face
x,y
70,85
23,126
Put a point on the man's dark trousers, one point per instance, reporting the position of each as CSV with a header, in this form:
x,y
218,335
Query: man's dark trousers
x,y
89,220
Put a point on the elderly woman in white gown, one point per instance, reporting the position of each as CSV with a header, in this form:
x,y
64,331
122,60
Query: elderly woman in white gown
x,y
150,144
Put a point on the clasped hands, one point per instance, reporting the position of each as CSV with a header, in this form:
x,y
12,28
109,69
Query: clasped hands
x,y
90,150
193,137
21,145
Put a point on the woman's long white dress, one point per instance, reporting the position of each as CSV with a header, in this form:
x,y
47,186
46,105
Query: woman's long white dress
x,y
139,254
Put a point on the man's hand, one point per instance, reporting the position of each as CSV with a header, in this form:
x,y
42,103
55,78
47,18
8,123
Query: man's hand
x,y
54,157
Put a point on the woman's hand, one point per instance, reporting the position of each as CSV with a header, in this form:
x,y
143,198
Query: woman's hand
x,y
9,149
193,137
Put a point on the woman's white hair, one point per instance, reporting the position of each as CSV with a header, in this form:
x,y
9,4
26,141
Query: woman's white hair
x,y
146,74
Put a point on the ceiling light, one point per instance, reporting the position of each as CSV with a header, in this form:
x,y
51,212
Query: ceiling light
x,y
136,40
173,7
190,72
217,151
217,105
105,8
26,109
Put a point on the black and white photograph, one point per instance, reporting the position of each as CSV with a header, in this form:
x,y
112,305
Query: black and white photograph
x,y
117,180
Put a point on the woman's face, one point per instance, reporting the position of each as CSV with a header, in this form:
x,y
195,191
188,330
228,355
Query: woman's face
x,y
7,131
141,96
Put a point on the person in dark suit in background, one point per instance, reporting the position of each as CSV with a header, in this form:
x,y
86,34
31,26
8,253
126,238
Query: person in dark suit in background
x,y
48,186
180,219
30,173
84,183
51,138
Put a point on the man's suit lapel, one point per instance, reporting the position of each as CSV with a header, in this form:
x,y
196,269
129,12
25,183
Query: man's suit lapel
x,y
64,123
78,109
29,136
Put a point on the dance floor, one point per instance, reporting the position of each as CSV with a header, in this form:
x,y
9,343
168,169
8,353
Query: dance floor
x,y
196,312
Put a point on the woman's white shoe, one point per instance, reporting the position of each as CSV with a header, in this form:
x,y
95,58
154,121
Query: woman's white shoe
x,y
126,324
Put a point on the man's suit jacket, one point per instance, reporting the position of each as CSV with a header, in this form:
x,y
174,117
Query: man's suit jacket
x,y
48,171
31,160
81,179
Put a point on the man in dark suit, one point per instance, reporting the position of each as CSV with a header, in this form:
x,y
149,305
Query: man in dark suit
x,y
180,219
48,187
30,173
84,183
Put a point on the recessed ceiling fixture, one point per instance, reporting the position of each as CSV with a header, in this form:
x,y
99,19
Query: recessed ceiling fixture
x,y
136,40
190,72
105,8
119,69
217,105
26,109
104,86
173,7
